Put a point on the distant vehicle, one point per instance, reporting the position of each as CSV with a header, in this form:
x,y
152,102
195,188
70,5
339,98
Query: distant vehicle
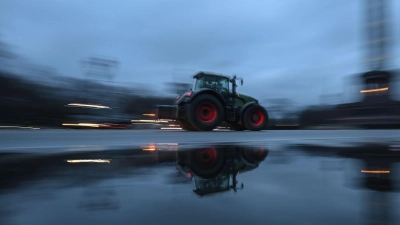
x,y
214,100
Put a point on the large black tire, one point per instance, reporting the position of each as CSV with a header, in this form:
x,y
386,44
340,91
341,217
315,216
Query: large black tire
x,y
236,127
255,118
254,155
205,112
185,125
207,162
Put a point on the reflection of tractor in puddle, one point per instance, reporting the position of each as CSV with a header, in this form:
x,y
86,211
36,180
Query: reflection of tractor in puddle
x,y
214,169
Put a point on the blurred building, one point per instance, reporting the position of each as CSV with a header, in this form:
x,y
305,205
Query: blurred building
x,y
377,109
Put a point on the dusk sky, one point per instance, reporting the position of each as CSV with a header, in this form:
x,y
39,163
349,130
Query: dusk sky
x,y
283,49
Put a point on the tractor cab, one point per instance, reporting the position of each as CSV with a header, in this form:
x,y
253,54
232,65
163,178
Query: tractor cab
x,y
221,183
224,85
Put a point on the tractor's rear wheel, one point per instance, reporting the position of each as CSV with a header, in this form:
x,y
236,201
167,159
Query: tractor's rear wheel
x,y
255,118
205,112
185,125
207,162
236,127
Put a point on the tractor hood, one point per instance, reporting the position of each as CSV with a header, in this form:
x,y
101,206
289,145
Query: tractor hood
x,y
247,98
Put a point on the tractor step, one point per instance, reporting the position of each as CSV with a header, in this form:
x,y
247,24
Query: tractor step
x,y
231,114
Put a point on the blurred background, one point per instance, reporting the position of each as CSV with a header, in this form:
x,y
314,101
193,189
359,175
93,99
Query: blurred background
x,y
106,64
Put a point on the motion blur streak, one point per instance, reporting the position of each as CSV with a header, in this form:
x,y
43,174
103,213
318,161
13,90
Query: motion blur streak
x,y
82,124
89,161
374,90
170,128
375,171
89,105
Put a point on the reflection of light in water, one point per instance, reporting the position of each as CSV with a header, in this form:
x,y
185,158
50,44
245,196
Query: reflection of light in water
x,y
375,171
89,161
161,146
374,90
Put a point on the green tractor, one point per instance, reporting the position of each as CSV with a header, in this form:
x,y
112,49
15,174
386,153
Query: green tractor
x,y
213,100
214,169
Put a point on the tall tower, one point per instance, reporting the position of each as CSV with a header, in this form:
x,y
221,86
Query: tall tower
x,y
377,80
376,32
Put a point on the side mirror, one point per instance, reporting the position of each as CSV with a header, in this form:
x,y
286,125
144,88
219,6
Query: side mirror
x,y
241,82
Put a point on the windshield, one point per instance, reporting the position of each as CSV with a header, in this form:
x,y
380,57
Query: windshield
x,y
219,84
220,183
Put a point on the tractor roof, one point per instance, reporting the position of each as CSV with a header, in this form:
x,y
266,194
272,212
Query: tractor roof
x,y
203,73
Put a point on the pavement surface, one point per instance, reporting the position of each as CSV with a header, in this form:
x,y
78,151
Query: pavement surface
x,y
69,140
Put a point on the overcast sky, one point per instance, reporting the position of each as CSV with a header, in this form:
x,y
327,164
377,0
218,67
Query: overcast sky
x,y
296,49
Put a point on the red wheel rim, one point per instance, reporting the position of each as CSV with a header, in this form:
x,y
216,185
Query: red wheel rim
x,y
255,154
207,112
258,152
257,117
207,157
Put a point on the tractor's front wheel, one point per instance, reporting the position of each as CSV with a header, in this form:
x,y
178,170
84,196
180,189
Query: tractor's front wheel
x,y
255,155
255,118
205,112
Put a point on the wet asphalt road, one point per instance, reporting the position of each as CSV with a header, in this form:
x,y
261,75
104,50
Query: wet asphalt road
x,y
62,140
289,186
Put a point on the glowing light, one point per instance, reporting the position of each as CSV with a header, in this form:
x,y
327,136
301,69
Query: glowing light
x,y
375,171
89,161
163,121
34,128
171,128
188,93
150,147
88,105
374,90
149,114
89,124
146,121
83,124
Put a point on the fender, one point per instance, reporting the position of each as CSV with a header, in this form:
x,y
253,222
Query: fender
x,y
189,96
245,106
